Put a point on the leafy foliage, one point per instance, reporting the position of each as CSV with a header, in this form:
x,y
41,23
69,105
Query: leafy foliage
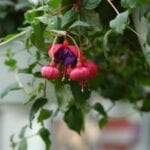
x,y
104,30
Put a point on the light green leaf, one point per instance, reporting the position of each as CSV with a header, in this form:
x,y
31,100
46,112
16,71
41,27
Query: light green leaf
x,y
23,144
68,18
11,87
91,4
22,132
120,22
45,136
133,3
79,23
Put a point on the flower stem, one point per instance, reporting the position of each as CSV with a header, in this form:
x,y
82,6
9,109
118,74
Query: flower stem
x,y
75,43
14,37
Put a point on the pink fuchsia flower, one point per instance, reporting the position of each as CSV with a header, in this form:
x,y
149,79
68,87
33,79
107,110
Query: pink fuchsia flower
x,y
92,67
50,72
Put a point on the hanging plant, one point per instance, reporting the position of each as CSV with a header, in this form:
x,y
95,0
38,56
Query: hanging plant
x,y
86,45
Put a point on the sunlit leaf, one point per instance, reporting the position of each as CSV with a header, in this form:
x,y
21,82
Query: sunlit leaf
x,y
120,22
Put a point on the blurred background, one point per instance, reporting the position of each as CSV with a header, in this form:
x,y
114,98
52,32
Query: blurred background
x,y
126,130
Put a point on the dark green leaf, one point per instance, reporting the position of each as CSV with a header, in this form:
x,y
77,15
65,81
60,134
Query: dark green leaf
x,y
11,87
79,96
35,108
103,121
91,4
146,105
23,144
45,136
74,119
120,22
68,18
100,109
37,74
44,114
79,23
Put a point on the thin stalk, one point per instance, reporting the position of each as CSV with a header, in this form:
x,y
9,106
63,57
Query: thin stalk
x,y
75,43
14,37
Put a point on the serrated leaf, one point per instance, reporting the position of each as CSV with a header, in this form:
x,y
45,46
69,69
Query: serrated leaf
x,y
102,122
45,136
100,109
35,108
11,87
74,119
120,22
23,144
44,114
91,4
22,132
79,23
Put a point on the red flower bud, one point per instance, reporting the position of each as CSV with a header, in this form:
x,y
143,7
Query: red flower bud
x,y
92,67
79,73
50,72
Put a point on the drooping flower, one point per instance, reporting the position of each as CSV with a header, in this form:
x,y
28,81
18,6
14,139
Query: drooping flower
x,y
50,72
71,62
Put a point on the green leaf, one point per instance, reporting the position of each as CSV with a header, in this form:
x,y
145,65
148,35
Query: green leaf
x,y
79,23
146,105
102,122
93,19
55,3
45,136
13,144
133,3
32,98
120,22
79,96
147,56
37,37
74,119
22,132
35,108
148,34
23,144
100,109
91,4
68,18
44,114
10,63
11,87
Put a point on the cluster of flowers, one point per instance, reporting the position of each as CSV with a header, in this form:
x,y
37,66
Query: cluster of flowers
x,y
69,62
